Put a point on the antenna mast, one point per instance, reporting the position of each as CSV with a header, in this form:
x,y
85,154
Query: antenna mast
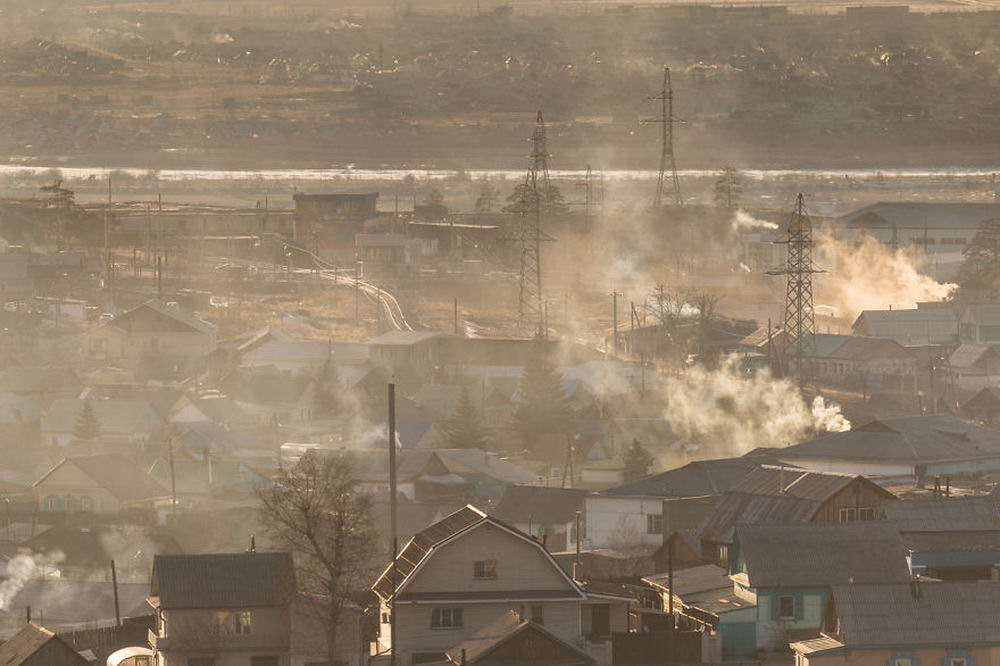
x,y
666,120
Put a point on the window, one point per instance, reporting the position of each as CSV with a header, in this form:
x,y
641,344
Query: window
x,y
848,515
786,608
264,660
86,504
244,622
861,513
866,513
538,615
221,624
446,618
484,569
654,523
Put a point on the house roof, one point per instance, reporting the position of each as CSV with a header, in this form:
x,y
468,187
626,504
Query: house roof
x,y
26,643
916,614
773,493
306,351
222,409
96,546
223,580
116,474
945,515
863,348
918,315
983,314
266,384
539,505
506,628
696,479
914,215
466,462
424,542
114,416
194,476
913,439
967,355
692,580
984,402
820,554
169,318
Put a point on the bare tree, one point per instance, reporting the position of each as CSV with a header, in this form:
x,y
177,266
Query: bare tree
x,y
318,511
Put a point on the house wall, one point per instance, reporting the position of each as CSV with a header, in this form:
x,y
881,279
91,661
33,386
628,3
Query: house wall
x,y
521,566
862,468
54,653
983,656
739,632
415,634
857,494
108,343
68,480
190,633
771,630
621,521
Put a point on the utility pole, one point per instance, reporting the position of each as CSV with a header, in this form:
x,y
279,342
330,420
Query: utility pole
x,y
666,193
173,477
114,586
456,315
614,321
800,318
392,522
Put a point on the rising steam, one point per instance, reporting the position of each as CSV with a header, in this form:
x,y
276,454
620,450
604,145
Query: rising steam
x,y
744,221
735,412
20,569
870,276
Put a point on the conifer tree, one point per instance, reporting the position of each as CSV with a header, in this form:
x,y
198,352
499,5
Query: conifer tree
x,y
637,461
87,428
544,408
465,428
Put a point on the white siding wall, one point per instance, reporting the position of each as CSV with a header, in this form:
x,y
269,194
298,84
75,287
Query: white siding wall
x,y
848,467
620,521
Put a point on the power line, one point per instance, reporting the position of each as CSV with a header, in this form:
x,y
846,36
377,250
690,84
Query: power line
x,y
666,120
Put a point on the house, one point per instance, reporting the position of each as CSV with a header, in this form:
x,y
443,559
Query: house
x,y
304,355
974,366
514,639
643,511
950,538
547,513
778,494
462,574
154,339
37,646
271,396
954,624
862,362
786,571
984,406
487,474
122,422
104,483
927,324
218,409
409,356
420,475
193,479
16,283
914,446
979,323
329,222
85,553
227,609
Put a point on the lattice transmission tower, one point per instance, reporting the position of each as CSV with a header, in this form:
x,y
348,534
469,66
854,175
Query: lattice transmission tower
x,y
530,302
800,317
667,192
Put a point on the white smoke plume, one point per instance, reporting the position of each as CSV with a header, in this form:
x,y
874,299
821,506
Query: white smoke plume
x,y
736,412
24,567
867,275
744,221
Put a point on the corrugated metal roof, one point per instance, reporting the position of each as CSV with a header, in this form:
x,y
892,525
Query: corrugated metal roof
x,y
914,614
26,643
945,515
696,479
539,505
820,554
967,355
223,580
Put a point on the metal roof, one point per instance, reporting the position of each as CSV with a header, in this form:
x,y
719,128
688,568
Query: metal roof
x,y
945,515
26,643
918,613
504,629
820,554
696,479
539,505
967,355
223,580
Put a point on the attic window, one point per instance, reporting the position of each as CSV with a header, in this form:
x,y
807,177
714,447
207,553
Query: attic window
x,y
484,569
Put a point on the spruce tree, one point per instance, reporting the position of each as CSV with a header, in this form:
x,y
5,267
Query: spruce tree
x,y
87,428
544,408
465,429
637,461
979,275
328,390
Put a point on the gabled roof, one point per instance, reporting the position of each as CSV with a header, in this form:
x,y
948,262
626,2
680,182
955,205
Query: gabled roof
x,y
222,409
863,348
403,338
422,545
201,477
478,648
266,384
820,554
156,316
539,505
97,545
692,580
913,439
696,479
774,493
917,215
120,417
968,354
473,462
956,514
27,642
223,580
918,614
306,351
116,474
